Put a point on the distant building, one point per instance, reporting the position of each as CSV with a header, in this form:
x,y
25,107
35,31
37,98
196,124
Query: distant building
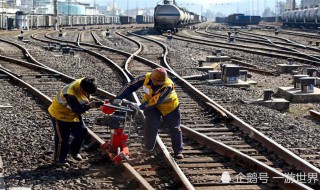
x,y
309,3
13,3
71,9
289,5
92,11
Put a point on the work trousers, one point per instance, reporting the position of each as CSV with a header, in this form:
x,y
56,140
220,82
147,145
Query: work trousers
x,y
152,124
62,132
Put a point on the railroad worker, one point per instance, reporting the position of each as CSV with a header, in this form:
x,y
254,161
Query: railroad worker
x,y
66,110
160,100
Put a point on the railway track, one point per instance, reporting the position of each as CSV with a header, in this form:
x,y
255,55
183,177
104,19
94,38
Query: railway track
x,y
260,51
264,40
202,119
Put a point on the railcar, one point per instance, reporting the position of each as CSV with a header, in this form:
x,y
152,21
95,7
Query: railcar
x,y
242,20
126,19
309,17
169,16
9,21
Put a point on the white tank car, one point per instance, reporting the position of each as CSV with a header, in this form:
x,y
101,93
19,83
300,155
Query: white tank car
x,y
169,15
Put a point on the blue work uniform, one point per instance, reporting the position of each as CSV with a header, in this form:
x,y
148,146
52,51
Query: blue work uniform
x,y
161,102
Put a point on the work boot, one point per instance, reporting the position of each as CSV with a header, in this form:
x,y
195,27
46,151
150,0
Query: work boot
x,y
62,164
178,156
77,157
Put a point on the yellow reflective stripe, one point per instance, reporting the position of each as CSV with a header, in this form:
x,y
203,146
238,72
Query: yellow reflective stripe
x,y
60,141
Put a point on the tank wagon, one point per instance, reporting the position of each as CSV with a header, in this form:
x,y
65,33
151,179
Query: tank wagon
x,y
169,16
309,17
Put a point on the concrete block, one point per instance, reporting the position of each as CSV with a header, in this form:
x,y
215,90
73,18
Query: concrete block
x,y
213,58
284,68
296,96
296,80
279,104
312,72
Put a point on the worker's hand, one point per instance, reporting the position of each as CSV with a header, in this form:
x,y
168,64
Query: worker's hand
x,y
135,109
116,102
96,104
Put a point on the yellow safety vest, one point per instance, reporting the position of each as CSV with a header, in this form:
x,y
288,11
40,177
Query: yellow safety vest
x,y
170,102
60,109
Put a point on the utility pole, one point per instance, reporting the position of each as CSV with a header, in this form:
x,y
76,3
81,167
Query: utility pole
x,y
252,7
258,10
94,5
56,14
277,8
113,8
69,7
127,7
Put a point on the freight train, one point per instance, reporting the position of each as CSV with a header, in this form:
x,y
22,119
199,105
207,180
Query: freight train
x,y
309,17
169,16
24,21
242,20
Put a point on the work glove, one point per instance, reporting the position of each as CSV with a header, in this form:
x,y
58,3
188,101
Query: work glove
x,y
135,109
96,104
116,102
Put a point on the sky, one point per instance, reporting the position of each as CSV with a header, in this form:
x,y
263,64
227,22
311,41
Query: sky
x,y
223,6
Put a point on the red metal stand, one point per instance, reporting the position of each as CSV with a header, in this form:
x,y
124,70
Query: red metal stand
x,y
116,148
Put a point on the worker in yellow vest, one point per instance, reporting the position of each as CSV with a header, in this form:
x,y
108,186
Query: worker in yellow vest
x,y
160,100
66,110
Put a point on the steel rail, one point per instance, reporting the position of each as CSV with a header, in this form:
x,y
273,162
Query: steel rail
x,y
260,42
315,114
249,50
132,55
290,41
164,47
